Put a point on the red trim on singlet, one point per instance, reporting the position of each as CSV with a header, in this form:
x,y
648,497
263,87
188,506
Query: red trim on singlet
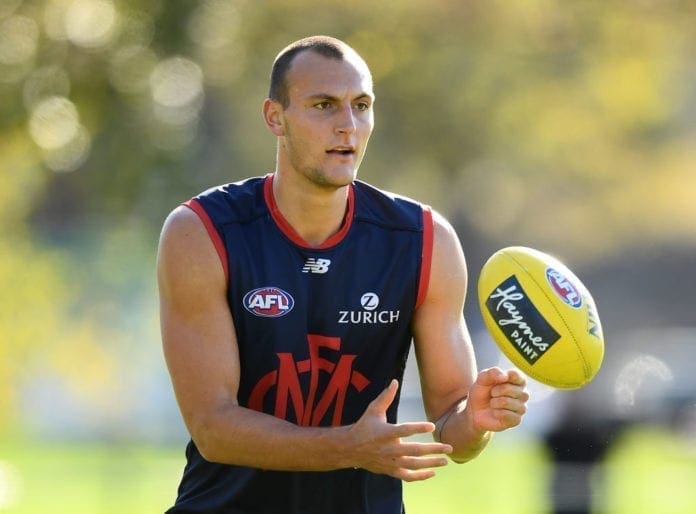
x,y
426,255
290,232
196,207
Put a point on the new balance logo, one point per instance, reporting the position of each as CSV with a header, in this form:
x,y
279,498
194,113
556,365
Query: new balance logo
x,y
313,265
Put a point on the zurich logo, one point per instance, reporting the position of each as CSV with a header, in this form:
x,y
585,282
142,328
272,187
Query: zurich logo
x,y
369,313
369,301
564,288
268,302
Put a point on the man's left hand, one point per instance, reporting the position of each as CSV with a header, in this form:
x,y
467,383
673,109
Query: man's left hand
x,y
498,399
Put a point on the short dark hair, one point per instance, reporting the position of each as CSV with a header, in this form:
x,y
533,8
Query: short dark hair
x,y
323,45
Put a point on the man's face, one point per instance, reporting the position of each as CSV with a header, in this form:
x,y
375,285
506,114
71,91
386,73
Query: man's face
x,y
329,118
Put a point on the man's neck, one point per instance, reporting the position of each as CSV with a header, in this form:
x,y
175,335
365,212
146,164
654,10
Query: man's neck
x,y
315,213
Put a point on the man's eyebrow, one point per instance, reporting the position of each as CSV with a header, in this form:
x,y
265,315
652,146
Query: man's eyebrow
x,y
332,98
322,96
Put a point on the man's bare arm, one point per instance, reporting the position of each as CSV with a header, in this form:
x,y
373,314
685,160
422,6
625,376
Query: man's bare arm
x,y
468,407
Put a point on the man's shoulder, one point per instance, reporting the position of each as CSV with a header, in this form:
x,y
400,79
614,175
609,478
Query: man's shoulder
x,y
385,207
233,190
235,201
379,192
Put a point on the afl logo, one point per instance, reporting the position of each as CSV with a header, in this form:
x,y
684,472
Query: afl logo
x,y
268,302
564,288
369,301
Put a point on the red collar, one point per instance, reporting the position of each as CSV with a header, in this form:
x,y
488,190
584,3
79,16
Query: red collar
x,y
290,232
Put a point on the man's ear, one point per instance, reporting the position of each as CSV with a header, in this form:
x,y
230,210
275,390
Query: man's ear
x,y
273,116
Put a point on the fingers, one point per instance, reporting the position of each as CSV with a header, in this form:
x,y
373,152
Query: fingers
x,y
508,404
491,376
507,419
414,469
412,428
512,394
378,446
408,475
499,399
417,448
417,465
516,377
414,449
510,390
495,375
385,398
414,463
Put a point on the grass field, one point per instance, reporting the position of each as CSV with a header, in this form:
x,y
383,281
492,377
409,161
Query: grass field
x,y
648,472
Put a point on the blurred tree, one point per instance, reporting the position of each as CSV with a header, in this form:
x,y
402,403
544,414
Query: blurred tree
x,y
36,319
503,112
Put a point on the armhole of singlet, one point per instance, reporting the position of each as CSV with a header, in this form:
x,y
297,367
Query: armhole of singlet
x,y
196,207
426,255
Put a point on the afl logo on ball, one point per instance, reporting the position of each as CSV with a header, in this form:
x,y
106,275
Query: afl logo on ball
x,y
564,288
268,302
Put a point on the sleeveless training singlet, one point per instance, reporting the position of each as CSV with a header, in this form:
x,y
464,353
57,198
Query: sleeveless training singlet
x,y
321,332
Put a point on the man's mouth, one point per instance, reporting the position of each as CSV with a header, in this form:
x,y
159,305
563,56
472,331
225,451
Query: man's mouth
x,y
342,150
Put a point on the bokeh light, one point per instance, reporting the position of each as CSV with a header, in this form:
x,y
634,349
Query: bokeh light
x,y
19,41
642,377
55,127
176,90
70,156
176,85
54,122
214,24
90,23
215,27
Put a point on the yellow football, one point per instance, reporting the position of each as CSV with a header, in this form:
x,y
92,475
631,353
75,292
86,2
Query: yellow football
x,y
541,317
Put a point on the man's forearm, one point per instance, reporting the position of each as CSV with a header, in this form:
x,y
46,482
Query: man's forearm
x,y
242,436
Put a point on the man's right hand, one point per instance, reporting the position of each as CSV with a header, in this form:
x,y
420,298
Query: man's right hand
x,y
376,445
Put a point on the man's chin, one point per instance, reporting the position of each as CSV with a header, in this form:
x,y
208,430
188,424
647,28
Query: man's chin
x,y
334,179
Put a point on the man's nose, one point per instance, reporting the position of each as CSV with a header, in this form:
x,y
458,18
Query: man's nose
x,y
345,122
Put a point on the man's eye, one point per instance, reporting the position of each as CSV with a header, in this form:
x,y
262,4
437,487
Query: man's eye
x,y
322,106
362,106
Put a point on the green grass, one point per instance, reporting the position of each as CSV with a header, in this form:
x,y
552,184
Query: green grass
x,y
652,472
648,472
505,478
89,478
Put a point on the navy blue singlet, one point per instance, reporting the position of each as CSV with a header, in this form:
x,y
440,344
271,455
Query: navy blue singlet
x,y
321,332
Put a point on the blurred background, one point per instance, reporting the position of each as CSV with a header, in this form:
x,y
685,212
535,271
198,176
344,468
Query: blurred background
x,y
568,126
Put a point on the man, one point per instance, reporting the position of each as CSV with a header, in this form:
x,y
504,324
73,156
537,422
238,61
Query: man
x,y
288,305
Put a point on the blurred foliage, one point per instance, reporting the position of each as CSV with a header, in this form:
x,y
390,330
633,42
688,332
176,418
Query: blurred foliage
x,y
567,125
43,336
501,111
